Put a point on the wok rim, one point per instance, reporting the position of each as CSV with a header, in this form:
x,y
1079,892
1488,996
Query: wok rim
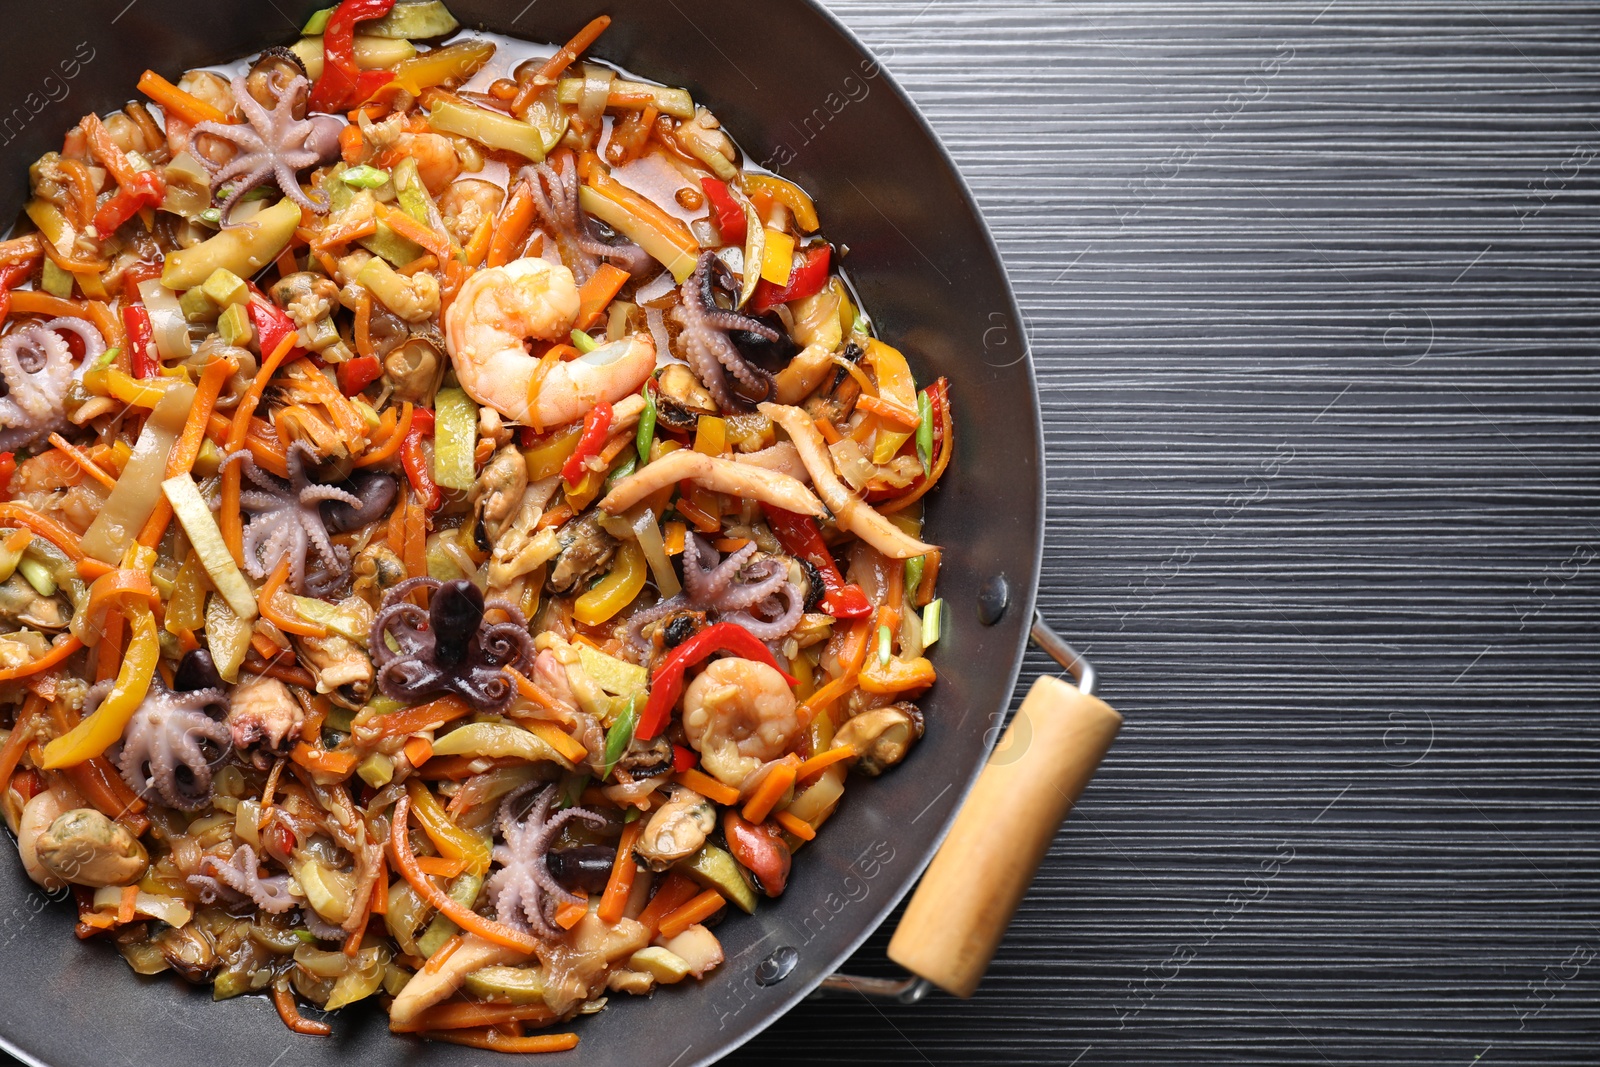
x,y
1023,594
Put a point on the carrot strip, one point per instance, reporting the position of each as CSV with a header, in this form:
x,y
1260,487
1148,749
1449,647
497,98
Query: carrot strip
x,y
697,910
671,895
174,101
270,612
623,872
332,237
567,915
108,652
598,292
418,750
186,449
89,466
512,226
380,890
494,1041
460,914
552,68
230,520
426,261
17,743
416,537
428,716
12,514
478,246
262,441
289,1011
440,866
889,410
771,790
60,651
822,760
39,302
707,787
391,445
415,232
125,904
460,1014
320,759
795,825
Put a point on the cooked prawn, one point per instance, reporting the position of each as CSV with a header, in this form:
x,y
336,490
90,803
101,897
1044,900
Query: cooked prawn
x,y
499,309
739,714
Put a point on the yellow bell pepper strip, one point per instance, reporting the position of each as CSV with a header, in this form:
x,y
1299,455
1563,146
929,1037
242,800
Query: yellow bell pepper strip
x,y
789,195
101,730
896,386
895,676
451,840
616,590
777,258
456,61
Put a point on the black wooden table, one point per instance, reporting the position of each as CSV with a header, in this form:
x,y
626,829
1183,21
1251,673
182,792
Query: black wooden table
x,y
1312,293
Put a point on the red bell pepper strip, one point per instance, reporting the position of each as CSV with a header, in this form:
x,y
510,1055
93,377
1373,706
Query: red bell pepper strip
x,y
8,467
683,759
146,190
800,537
939,403
666,685
272,325
139,272
595,427
728,214
806,279
356,374
141,360
415,460
343,85
11,277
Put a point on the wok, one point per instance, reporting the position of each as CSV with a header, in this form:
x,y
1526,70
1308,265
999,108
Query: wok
x,y
803,96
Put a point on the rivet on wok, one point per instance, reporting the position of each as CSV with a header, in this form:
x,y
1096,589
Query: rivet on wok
x,y
777,966
993,599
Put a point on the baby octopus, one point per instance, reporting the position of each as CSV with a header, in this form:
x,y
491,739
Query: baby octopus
x,y
758,596
555,197
37,365
171,743
287,520
709,350
275,144
524,892
448,648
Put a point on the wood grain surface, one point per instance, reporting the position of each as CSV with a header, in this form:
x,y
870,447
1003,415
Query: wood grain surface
x,y
1312,298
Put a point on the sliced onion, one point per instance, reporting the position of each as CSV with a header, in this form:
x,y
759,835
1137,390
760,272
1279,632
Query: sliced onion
x,y
167,324
755,246
657,322
655,289
854,467
596,90
654,548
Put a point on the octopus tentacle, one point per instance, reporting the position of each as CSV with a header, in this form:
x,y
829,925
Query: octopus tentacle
x,y
286,521
705,330
412,670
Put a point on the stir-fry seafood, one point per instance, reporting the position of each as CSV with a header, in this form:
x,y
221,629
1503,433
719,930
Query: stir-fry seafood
x,y
458,534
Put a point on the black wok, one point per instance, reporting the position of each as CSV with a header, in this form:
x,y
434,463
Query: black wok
x,y
803,96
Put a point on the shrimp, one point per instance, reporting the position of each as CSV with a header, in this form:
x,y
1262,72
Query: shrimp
x,y
739,714
466,204
498,309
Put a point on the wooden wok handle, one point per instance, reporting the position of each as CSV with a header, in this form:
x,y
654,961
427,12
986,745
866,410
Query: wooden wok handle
x,y
964,904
